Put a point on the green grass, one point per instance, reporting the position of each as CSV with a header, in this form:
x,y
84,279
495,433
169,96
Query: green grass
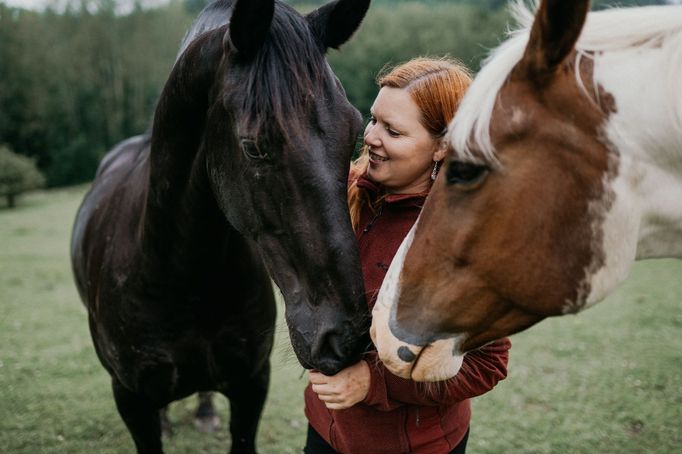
x,y
607,380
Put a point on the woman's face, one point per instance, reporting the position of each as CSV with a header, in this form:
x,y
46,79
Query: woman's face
x,y
401,150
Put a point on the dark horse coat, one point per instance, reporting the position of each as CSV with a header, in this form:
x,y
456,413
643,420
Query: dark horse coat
x,y
241,179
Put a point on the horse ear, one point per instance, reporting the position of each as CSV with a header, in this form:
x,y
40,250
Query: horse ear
x,y
250,24
555,31
335,22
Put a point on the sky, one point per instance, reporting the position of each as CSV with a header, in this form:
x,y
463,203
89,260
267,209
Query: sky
x,y
28,4
40,4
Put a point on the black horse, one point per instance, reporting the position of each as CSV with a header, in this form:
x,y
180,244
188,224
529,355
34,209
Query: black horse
x,y
244,172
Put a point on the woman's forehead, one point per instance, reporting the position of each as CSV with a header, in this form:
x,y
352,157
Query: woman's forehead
x,y
395,106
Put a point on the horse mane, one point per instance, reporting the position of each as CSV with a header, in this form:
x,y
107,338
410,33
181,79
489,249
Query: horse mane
x,y
214,15
608,30
282,78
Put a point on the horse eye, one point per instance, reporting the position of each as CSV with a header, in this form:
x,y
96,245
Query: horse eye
x,y
251,150
465,173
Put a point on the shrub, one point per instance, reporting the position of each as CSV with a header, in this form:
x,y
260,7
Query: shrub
x,y
18,174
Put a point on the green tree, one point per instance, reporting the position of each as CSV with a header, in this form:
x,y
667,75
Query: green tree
x,y
392,34
18,174
75,81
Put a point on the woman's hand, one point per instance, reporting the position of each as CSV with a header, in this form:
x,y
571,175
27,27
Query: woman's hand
x,y
344,389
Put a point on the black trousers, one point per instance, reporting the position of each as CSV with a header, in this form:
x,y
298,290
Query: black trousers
x,y
315,444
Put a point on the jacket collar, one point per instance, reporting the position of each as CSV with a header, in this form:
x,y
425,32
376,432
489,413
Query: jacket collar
x,y
376,190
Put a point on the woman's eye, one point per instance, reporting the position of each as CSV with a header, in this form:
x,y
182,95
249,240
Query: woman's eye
x,y
465,173
392,132
372,120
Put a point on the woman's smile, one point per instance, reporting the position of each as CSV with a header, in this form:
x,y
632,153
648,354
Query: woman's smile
x,y
375,158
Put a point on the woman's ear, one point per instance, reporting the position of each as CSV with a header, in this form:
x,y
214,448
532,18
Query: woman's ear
x,y
441,149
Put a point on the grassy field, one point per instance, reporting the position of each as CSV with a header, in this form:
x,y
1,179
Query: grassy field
x,y
608,380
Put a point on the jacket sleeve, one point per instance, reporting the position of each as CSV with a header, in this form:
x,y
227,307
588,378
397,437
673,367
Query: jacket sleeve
x,y
480,372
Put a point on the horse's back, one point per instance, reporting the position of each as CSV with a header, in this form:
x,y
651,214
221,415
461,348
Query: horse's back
x,y
116,194
126,153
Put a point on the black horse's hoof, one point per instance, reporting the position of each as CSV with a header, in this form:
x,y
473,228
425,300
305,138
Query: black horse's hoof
x,y
207,424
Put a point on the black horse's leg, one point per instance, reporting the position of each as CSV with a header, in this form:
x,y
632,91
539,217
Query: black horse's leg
x,y
141,417
246,405
166,426
205,418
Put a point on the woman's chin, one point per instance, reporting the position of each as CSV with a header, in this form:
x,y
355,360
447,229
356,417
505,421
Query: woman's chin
x,y
374,173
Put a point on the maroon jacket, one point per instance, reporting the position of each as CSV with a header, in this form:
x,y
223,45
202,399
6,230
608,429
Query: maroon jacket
x,y
399,415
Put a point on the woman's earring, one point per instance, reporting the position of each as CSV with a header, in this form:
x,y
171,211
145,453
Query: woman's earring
x,y
434,172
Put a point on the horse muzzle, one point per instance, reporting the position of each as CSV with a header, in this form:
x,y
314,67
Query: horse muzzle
x,y
435,361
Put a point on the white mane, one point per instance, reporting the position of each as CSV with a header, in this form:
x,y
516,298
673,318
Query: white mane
x,y
609,30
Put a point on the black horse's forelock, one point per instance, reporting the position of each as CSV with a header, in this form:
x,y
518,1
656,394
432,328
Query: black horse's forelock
x,y
281,80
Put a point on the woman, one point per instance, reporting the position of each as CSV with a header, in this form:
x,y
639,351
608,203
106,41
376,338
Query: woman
x,y
364,408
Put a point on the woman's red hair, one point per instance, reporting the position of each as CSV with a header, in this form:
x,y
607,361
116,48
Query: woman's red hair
x,y
437,87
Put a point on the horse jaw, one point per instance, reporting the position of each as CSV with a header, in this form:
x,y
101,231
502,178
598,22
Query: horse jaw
x,y
643,222
435,361
614,239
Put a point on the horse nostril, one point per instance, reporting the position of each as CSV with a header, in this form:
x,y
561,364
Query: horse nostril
x,y
331,352
406,354
336,345
327,345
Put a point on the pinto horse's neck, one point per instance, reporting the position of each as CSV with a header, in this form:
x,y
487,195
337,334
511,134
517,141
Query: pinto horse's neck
x,y
647,132
645,218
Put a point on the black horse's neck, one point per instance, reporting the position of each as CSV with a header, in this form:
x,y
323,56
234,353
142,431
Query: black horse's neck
x,y
176,167
179,200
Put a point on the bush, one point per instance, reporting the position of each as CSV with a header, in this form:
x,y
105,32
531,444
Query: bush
x,y
394,33
74,163
18,174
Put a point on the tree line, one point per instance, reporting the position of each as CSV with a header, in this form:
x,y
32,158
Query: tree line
x,y
74,82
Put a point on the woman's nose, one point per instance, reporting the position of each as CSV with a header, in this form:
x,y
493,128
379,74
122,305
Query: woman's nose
x,y
371,137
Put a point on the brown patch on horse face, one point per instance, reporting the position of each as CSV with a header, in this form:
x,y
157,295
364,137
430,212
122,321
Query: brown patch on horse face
x,y
496,260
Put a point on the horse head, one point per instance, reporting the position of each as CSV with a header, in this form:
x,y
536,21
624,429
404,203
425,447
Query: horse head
x,y
278,144
539,210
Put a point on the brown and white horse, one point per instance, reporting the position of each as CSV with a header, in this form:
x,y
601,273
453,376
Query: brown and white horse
x,y
566,166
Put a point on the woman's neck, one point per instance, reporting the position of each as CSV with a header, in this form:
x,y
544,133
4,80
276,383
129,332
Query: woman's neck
x,y
419,187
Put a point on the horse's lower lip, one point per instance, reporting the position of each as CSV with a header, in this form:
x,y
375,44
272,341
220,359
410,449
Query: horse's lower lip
x,y
416,360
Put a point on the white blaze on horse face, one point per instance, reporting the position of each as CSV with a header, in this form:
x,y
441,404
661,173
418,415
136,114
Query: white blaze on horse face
x,y
437,361
518,116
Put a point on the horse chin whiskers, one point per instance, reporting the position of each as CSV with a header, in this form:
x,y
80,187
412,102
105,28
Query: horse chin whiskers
x,y
433,388
439,360
287,354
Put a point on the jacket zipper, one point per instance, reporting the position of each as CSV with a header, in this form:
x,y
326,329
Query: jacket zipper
x,y
417,418
376,216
